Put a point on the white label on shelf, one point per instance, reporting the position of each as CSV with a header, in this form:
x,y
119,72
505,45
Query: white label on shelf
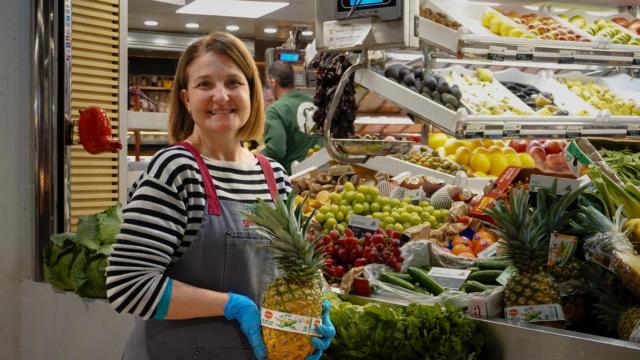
x,y
449,278
564,185
525,53
574,131
535,313
362,224
566,56
496,53
337,36
289,322
561,248
492,250
474,131
511,130
633,130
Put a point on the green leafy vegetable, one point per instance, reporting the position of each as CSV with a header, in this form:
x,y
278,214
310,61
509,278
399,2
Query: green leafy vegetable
x,y
625,163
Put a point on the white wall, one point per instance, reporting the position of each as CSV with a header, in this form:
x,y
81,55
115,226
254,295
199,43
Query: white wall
x,y
16,170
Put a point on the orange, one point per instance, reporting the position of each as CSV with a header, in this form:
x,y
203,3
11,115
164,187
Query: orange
x,y
467,254
460,248
461,240
481,244
482,233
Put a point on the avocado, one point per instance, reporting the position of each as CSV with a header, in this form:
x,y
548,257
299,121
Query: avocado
x,y
393,72
419,85
449,106
409,80
443,86
436,96
404,70
455,91
430,82
450,99
418,72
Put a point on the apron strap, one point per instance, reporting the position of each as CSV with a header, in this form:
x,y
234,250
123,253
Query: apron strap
x,y
268,175
213,205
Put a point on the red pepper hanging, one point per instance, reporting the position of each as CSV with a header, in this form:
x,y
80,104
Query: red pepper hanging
x,y
95,131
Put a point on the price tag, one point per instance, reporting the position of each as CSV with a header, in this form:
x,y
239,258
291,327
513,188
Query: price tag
x,y
574,131
636,59
503,278
474,131
362,224
492,250
535,313
339,36
633,130
561,248
415,195
496,53
525,53
511,131
449,278
566,57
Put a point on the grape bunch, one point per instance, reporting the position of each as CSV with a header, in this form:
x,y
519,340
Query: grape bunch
x,y
330,68
345,251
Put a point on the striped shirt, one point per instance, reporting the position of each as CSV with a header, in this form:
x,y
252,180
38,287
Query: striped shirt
x,y
163,216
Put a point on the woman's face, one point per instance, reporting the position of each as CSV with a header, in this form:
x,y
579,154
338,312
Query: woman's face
x,y
217,94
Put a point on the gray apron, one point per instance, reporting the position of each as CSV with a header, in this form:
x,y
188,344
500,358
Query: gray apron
x,y
226,256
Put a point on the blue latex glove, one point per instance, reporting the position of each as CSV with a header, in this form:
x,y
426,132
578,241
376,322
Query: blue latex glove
x,y
326,330
245,311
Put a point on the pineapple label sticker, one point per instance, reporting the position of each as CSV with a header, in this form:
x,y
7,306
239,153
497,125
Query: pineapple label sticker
x,y
561,248
535,313
289,322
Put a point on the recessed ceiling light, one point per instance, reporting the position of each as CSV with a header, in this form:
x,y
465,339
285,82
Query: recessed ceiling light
x,y
232,27
307,33
191,25
151,23
270,30
232,8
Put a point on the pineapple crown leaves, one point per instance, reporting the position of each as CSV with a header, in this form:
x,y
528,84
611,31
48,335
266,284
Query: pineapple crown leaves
x,y
554,211
286,226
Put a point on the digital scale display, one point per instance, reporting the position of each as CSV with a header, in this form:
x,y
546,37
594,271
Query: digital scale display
x,y
383,9
289,57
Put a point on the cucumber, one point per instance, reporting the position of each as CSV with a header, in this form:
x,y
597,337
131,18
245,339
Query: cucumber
x,y
471,286
403,276
421,290
427,282
390,279
473,269
491,264
485,276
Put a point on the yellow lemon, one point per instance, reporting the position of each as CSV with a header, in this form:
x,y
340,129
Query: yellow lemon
x,y
480,174
495,149
486,18
505,29
480,162
476,143
488,143
507,150
463,155
495,24
499,162
437,139
481,150
500,143
513,160
527,160
451,145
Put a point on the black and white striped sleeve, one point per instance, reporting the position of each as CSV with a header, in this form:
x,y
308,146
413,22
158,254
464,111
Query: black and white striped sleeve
x,y
154,224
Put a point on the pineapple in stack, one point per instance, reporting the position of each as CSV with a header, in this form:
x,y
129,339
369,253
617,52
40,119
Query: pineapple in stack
x,y
618,311
526,242
299,289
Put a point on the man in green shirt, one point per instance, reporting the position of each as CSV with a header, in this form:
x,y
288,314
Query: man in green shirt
x,y
284,137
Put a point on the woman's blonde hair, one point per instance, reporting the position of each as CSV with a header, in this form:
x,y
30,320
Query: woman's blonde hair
x,y
180,121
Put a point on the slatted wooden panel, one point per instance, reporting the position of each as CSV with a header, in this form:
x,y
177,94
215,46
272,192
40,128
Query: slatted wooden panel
x,y
94,81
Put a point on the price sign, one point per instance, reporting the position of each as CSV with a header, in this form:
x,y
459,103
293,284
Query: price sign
x,y
566,57
636,59
574,131
449,278
362,224
474,131
633,130
525,53
496,53
511,131
339,36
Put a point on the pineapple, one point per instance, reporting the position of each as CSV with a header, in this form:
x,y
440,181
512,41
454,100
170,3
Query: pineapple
x,y
572,270
526,234
300,261
615,308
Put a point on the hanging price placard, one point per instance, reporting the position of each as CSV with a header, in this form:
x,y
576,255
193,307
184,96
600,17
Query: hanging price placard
x,y
525,53
633,130
574,131
566,57
511,131
474,131
496,53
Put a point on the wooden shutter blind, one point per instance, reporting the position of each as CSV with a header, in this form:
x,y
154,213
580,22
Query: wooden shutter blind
x,y
95,66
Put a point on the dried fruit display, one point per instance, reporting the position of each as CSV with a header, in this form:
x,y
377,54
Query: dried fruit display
x,y
439,18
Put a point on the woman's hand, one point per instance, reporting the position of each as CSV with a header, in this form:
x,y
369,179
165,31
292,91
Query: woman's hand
x,y
246,312
326,330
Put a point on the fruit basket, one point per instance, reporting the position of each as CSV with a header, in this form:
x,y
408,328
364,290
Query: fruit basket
x,y
601,28
540,83
482,94
596,92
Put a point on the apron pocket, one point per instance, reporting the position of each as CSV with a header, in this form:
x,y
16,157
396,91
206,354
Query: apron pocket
x,y
248,267
223,354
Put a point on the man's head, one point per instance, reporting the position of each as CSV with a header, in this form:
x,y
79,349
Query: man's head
x,y
281,78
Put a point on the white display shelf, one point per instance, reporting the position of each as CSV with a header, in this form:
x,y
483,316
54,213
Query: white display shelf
x,y
317,160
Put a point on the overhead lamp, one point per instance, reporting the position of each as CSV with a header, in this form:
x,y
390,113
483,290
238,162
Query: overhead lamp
x,y
232,8
191,25
232,27
151,23
270,30
306,33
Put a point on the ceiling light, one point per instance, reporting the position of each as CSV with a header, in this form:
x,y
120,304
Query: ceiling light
x,y
191,25
151,23
232,8
307,33
270,30
232,27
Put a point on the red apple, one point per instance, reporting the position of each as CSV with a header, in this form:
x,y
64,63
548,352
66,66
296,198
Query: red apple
x,y
634,25
552,147
621,21
556,163
533,143
538,154
519,146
